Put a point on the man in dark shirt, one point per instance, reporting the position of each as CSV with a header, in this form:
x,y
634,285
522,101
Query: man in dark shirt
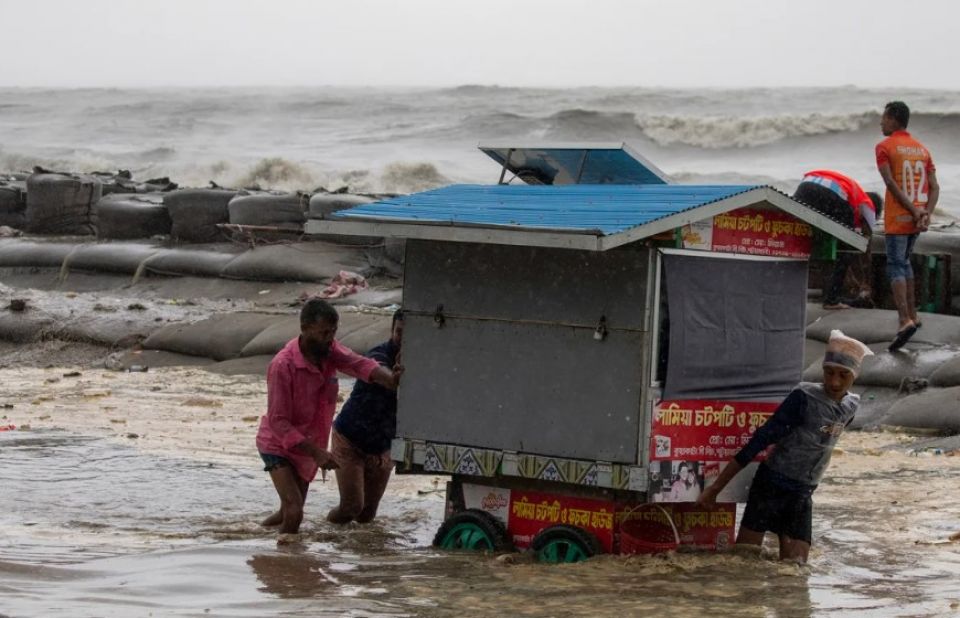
x,y
361,438
805,429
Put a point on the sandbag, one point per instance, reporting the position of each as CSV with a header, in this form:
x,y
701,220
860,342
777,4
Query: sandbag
x,y
355,330
61,203
323,204
19,253
24,327
272,339
287,211
948,374
813,352
890,369
220,337
124,216
308,261
187,263
866,325
195,213
371,335
250,365
13,204
109,257
109,330
875,403
931,409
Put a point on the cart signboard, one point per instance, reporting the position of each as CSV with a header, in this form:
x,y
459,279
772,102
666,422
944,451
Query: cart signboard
x,y
751,231
691,440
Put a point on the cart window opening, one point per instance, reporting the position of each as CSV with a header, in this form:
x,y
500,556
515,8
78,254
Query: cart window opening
x,y
732,328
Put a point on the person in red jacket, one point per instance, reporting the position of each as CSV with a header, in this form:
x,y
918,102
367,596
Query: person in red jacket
x,y
841,198
912,192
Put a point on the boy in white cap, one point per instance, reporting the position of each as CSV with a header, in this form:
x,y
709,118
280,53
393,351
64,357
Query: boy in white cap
x,y
804,429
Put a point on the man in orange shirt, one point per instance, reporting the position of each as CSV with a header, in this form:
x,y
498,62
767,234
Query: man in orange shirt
x,y
912,192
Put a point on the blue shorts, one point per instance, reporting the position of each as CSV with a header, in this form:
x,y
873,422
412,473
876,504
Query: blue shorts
x,y
899,249
271,461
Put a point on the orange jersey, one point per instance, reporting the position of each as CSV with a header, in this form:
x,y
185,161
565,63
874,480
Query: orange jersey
x,y
911,165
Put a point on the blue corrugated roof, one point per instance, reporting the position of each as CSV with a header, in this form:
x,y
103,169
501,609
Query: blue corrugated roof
x,y
605,209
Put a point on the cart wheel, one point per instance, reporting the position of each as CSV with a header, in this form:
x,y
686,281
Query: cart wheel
x,y
472,529
561,543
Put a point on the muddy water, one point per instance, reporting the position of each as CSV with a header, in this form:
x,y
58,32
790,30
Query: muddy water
x,y
94,523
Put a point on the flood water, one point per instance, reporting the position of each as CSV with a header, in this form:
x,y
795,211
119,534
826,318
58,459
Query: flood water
x,y
93,524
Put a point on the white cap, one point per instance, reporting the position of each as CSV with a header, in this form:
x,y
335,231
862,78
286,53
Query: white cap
x,y
846,352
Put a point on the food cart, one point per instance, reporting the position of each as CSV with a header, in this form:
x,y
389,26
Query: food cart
x,y
584,351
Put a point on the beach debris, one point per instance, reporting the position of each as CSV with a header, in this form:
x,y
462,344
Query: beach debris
x,y
955,537
7,406
133,436
52,380
136,307
137,369
202,402
18,305
344,284
911,385
96,393
104,308
7,427
72,374
250,419
8,232
114,361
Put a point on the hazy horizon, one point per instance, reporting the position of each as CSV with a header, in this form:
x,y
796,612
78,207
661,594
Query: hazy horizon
x,y
554,44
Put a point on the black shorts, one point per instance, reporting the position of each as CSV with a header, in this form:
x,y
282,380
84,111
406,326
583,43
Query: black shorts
x,y
826,201
776,509
272,461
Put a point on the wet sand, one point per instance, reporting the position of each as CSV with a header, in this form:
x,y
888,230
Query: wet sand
x,y
137,494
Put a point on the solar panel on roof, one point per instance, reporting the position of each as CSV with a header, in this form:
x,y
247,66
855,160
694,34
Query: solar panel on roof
x,y
566,164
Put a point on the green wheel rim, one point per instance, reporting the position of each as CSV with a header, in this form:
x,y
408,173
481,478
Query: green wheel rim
x,y
467,536
561,550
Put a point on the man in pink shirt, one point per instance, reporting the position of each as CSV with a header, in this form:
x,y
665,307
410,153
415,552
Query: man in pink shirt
x,y
302,393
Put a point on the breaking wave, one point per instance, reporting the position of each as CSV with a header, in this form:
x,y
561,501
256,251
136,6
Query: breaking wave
x,y
740,132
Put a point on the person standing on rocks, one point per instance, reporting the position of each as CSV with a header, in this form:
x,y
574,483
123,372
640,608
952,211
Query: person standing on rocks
x,y
843,199
912,192
361,438
804,429
302,391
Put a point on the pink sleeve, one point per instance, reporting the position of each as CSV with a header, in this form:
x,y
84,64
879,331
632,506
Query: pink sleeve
x,y
351,363
280,405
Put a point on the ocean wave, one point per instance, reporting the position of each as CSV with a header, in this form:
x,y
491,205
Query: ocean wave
x,y
276,172
739,132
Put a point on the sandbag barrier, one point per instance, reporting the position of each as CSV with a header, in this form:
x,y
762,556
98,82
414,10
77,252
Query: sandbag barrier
x,y
314,262
247,335
13,202
61,203
126,216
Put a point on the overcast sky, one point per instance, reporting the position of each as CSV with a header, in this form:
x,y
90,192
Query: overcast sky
x,y
685,43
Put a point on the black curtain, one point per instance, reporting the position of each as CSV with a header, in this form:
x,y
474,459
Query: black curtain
x,y
736,327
